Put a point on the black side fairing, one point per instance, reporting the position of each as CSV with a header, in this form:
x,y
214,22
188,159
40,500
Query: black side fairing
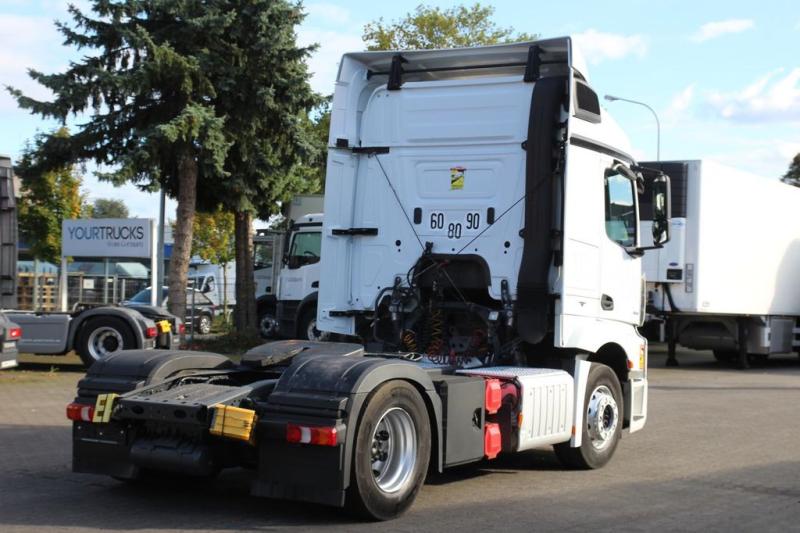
x,y
533,299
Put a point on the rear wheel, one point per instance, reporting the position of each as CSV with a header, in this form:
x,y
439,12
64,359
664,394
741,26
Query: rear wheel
x,y
602,423
102,336
391,454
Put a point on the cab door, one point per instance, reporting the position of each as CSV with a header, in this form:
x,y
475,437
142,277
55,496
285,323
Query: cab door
x,y
620,285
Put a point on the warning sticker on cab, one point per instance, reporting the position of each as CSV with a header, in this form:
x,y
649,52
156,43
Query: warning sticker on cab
x,y
457,178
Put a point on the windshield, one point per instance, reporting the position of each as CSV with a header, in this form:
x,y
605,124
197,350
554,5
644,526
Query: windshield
x,y
143,297
305,249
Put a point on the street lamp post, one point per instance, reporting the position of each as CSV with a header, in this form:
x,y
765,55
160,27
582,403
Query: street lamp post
x,y
611,98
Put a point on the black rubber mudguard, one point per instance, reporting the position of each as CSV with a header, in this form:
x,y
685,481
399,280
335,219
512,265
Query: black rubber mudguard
x,y
129,369
327,390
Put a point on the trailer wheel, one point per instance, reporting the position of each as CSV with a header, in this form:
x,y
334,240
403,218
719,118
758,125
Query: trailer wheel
x,y
391,454
102,336
602,423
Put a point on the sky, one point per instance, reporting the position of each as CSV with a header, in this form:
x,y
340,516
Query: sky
x,y
723,76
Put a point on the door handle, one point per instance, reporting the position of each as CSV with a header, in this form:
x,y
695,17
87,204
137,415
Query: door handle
x,y
607,302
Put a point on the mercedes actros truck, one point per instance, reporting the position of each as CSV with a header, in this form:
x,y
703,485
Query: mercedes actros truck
x,y
482,234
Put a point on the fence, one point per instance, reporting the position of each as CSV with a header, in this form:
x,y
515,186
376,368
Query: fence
x,y
43,296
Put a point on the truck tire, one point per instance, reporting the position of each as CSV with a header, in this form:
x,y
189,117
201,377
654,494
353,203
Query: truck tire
x,y
204,324
391,453
602,426
102,336
268,325
307,327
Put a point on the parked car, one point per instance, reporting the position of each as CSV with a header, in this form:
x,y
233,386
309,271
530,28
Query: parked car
x,y
204,308
10,333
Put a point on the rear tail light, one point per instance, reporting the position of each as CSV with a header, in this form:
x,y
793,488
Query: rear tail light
x,y
79,412
493,396
14,333
320,436
492,440
151,332
182,329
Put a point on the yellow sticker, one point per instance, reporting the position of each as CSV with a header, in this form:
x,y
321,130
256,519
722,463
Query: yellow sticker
x,y
457,178
103,408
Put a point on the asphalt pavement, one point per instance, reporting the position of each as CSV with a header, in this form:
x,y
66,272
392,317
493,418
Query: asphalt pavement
x,y
720,452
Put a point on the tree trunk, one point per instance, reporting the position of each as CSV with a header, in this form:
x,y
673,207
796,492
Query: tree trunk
x,y
225,292
184,225
245,285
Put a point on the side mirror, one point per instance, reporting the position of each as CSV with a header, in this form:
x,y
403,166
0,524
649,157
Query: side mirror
x,y
661,210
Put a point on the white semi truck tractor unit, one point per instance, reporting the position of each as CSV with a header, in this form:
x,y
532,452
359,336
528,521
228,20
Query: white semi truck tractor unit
x,y
728,279
482,233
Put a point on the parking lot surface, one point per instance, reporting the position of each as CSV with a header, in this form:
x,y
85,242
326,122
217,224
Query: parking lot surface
x,y
720,452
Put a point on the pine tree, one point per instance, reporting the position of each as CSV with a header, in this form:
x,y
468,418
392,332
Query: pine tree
x,y
792,176
263,92
169,87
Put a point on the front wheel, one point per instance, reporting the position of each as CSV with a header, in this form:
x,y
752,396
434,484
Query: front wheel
x,y
392,452
204,324
602,423
308,327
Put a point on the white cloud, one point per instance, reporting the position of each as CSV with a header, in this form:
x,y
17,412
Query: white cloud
x,y
324,63
681,101
712,30
24,43
770,98
329,12
599,46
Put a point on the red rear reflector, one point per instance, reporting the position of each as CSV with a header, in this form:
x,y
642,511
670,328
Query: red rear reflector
x,y
492,441
320,436
182,329
151,332
79,412
14,333
494,397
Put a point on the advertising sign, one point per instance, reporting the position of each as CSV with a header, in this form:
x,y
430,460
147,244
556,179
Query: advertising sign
x,y
107,237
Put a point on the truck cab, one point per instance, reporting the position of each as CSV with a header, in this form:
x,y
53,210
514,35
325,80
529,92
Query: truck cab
x,y
472,213
298,280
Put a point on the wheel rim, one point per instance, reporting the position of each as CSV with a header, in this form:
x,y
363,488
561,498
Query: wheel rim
x,y
104,341
313,334
602,416
268,326
205,324
394,450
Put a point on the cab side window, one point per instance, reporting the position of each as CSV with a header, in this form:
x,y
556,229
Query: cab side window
x,y
620,209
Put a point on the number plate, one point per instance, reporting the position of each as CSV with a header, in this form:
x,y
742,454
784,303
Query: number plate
x,y
8,346
455,224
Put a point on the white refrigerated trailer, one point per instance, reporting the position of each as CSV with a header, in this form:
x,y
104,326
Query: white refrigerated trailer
x,y
729,279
